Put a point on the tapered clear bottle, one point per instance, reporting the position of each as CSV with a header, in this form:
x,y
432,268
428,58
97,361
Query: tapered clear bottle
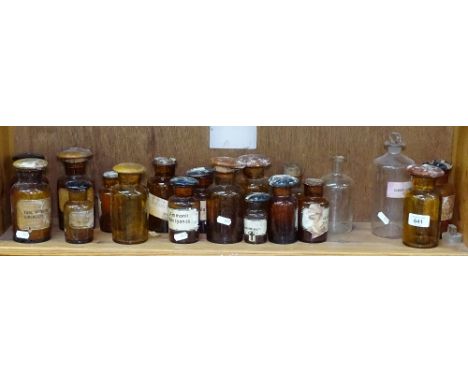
x,y
283,211
225,204
183,211
392,181
338,189
129,205
204,175
78,213
254,179
256,218
159,193
422,207
109,180
313,213
30,200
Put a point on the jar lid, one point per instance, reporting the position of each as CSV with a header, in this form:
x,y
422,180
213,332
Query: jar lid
x,y
110,175
442,164
77,154
254,160
226,164
313,182
199,172
30,164
283,180
394,140
183,181
27,155
292,169
258,197
164,161
425,171
78,185
129,168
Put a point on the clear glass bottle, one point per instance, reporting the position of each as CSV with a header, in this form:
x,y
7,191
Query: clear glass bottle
x,y
254,179
293,169
313,213
74,160
183,211
337,190
159,193
204,175
256,217
30,200
391,183
225,204
129,205
422,206
78,213
283,214
109,180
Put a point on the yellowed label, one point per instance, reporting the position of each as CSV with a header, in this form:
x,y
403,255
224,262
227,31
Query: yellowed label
x,y
447,207
63,197
32,215
81,219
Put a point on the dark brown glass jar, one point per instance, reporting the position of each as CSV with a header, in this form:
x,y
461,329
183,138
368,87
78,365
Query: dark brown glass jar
x,y
109,179
254,173
78,213
159,193
313,213
204,175
256,217
128,205
422,206
30,199
74,160
184,211
224,204
283,218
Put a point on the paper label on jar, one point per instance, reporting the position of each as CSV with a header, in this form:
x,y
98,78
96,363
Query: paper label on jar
x,y
383,218
447,207
315,219
397,190
180,236
423,221
183,220
202,210
63,197
223,220
254,228
81,219
33,215
22,234
157,206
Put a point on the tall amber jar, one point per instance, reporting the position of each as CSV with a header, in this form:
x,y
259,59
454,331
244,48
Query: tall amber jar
x,y
30,199
74,160
78,213
283,217
183,211
254,179
204,175
422,207
313,213
128,205
225,204
109,180
159,193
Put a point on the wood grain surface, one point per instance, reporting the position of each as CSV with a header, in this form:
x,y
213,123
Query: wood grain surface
x,y
6,149
460,179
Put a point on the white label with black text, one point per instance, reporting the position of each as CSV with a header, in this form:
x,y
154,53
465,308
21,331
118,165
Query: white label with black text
x,y
423,221
254,228
202,210
157,206
183,220
180,236
383,218
397,190
315,220
223,220
22,234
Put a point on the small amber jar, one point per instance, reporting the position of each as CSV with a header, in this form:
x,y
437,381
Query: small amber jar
x,y
184,211
282,216
128,205
313,213
159,193
78,213
74,160
109,180
30,199
204,175
422,206
254,179
225,204
256,217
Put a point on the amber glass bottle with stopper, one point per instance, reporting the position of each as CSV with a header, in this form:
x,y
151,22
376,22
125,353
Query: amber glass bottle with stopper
x,y
254,173
313,213
78,213
109,180
256,217
204,176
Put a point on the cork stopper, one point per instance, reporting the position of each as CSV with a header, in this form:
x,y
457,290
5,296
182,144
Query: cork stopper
x,y
164,161
283,180
129,168
226,164
313,182
30,164
425,171
75,154
254,160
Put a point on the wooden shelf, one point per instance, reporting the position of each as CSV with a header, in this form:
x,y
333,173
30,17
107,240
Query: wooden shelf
x,y
360,242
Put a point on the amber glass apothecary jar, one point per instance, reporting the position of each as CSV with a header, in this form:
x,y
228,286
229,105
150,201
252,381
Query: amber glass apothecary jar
x,y
256,218
225,204
78,213
184,211
30,199
204,176
313,213
128,205
254,179
159,193
74,160
109,180
422,205
26,156
282,216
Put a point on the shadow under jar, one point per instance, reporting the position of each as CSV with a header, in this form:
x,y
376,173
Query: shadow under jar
x,y
422,207
109,180
282,216
256,218
30,199
254,173
78,213
204,176
128,205
313,213
159,193
184,211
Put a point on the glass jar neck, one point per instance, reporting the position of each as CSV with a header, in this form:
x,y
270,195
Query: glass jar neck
x,y
30,176
337,166
75,168
254,172
129,179
316,191
423,183
77,195
282,191
224,178
164,171
183,192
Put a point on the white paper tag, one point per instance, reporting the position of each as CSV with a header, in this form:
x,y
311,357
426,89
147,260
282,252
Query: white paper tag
x,y
157,206
183,220
315,219
423,221
202,210
81,219
254,228
383,218
447,207
223,220
180,236
397,190
22,234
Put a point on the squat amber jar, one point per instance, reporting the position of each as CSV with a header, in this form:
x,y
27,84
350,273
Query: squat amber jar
x,y
254,173
109,180
256,217
204,176
78,213
313,213
129,198
30,199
